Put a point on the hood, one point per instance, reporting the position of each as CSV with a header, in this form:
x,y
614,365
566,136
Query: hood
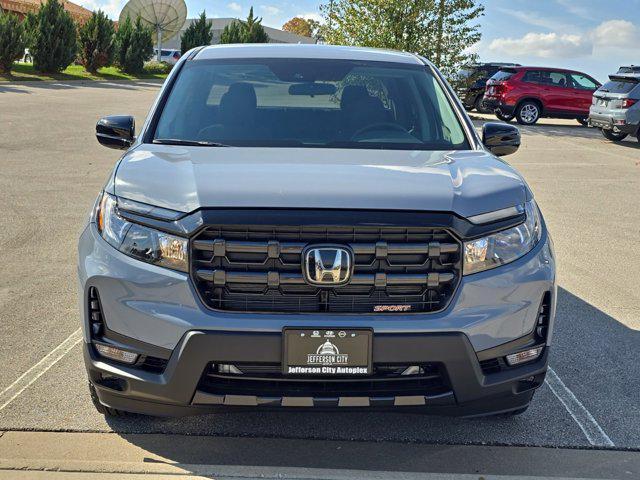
x,y
187,178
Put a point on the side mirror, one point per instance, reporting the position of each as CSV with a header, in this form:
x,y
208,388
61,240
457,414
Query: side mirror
x,y
116,131
500,138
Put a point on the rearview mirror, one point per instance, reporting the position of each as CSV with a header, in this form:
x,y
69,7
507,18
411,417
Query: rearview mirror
x,y
500,138
116,131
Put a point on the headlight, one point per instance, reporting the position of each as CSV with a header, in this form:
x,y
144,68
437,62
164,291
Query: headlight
x,y
506,246
140,242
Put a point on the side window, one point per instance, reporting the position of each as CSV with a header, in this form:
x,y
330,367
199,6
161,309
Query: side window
x,y
582,82
559,79
532,76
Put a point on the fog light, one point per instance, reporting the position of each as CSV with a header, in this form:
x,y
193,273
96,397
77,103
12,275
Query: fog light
x,y
229,369
524,356
413,370
116,353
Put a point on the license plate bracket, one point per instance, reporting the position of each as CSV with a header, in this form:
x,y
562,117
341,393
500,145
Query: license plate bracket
x,y
327,352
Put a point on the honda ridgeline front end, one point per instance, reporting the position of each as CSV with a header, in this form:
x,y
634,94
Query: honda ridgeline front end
x,y
313,227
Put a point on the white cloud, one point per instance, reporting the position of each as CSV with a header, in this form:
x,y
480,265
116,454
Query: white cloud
x,y
473,49
543,45
111,7
616,33
236,7
573,8
270,9
535,20
311,16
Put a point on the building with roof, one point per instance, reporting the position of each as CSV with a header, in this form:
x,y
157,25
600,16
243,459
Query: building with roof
x,y
22,7
275,35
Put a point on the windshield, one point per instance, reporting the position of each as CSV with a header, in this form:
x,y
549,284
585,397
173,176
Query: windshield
x,y
310,103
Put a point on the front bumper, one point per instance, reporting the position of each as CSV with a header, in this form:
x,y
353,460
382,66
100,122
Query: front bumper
x,y
156,312
180,390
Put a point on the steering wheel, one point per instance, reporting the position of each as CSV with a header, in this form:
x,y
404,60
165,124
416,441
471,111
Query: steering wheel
x,y
374,126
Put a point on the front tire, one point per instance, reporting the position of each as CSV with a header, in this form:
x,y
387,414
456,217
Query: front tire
x,y
106,411
528,113
613,136
583,121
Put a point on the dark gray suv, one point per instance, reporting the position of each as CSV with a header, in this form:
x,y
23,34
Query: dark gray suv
x,y
309,227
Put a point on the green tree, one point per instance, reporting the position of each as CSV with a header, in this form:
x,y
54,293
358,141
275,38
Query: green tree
x,y
316,27
123,41
30,23
441,30
96,39
53,44
141,47
232,33
254,31
134,45
249,31
12,40
197,34
299,26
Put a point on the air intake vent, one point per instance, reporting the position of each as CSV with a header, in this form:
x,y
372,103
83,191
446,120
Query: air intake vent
x,y
96,318
544,314
493,365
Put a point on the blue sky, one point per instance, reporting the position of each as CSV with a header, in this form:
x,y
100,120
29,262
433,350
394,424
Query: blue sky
x,y
594,36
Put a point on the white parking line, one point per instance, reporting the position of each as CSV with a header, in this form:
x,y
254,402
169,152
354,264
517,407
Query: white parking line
x,y
12,392
589,426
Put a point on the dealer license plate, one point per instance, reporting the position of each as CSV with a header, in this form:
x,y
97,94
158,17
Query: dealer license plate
x,y
327,352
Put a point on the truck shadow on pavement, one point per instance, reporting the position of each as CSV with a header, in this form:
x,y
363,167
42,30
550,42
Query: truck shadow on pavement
x,y
592,352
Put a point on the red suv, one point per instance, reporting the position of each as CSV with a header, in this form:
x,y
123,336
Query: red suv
x,y
528,93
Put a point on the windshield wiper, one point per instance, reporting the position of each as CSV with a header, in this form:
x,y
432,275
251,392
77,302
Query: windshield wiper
x,y
189,143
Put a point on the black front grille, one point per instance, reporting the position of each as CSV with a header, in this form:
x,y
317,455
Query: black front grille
x,y
259,269
266,380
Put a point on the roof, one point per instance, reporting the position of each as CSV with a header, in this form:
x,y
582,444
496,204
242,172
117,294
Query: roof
x,y
79,14
265,50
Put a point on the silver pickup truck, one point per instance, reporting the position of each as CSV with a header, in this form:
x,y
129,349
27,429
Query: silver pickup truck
x,y
308,227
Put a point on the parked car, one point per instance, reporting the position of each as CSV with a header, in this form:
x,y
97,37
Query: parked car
x,y
27,57
529,93
629,69
169,56
615,109
471,83
261,245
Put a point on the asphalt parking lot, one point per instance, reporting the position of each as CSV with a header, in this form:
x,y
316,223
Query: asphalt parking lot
x,y
53,168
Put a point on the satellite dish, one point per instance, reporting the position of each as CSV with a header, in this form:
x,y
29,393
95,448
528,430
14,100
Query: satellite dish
x,y
165,17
